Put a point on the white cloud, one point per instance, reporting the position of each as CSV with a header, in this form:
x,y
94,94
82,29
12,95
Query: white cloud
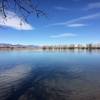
x,y
77,20
64,35
15,22
60,8
92,6
76,25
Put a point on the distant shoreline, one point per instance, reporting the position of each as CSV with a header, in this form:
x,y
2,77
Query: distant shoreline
x,y
50,48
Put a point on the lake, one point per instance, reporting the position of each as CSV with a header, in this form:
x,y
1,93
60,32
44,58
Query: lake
x,y
66,75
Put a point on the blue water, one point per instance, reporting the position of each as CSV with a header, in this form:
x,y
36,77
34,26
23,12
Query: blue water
x,y
69,75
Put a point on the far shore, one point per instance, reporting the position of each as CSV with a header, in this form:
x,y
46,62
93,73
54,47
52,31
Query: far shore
x,y
50,47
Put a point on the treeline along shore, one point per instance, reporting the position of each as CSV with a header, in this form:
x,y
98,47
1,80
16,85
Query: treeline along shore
x,y
50,47
72,46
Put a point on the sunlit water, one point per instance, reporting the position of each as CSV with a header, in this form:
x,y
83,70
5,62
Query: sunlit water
x,y
69,75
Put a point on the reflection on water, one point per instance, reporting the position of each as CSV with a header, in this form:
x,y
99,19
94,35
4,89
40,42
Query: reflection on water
x,y
49,75
11,79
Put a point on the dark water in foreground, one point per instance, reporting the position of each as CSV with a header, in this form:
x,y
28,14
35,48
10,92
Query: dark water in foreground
x,y
71,75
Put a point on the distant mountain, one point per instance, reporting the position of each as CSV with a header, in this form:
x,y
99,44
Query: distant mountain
x,y
5,45
2,45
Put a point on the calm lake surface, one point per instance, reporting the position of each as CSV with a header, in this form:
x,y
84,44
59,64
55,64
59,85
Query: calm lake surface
x,y
67,75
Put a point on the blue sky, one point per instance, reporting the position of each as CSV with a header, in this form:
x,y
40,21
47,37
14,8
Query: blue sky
x,y
67,22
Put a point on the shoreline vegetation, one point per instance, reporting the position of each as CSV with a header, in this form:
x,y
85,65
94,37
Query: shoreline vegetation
x,y
50,47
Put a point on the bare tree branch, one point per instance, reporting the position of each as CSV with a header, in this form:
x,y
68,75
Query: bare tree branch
x,y
23,7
